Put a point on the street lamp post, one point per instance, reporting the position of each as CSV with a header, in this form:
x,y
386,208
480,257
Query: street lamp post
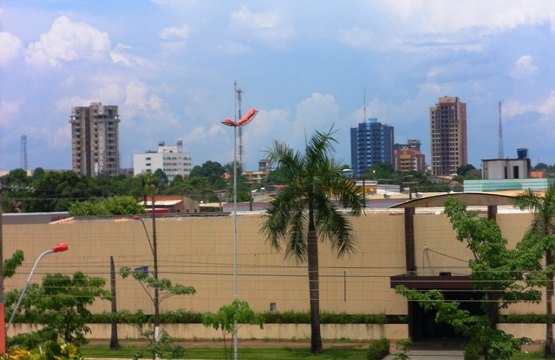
x,y
249,116
61,247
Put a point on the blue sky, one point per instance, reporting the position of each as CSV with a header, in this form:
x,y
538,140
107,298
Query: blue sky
x,y
170,66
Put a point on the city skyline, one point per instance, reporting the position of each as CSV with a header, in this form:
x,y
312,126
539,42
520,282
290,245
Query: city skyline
x,y
305,66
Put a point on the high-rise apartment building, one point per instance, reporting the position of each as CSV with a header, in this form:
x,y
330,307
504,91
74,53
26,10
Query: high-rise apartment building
x,y
169,158
448,135
409,159
95,139
371,144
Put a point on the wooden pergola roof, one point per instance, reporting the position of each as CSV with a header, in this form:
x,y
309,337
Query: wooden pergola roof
x,y
470,199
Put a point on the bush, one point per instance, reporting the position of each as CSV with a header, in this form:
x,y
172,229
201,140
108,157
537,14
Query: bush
x,y
472,352
378,350
46,351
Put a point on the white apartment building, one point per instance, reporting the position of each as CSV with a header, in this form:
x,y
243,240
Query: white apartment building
x,y
170,158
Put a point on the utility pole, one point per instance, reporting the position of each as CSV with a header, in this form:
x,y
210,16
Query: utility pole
x,y
2,318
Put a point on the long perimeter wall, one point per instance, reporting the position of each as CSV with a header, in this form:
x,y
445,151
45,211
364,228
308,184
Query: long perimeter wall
x,y
198,251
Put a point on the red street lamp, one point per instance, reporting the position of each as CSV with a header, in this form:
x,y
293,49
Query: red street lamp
x,y
61,247
248,117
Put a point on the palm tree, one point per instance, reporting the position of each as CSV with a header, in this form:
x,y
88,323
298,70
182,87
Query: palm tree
x,y
305,212
543,227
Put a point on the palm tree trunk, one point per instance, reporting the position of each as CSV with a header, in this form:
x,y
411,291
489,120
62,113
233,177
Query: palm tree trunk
x,y
314,286
114,340
548,351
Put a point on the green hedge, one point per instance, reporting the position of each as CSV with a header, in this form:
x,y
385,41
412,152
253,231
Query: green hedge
x,y
288,317
523,319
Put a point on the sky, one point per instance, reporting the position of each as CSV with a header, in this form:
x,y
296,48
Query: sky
x,y
170,66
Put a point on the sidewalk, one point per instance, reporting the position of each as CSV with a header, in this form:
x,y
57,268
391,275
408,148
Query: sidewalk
x,y
432,354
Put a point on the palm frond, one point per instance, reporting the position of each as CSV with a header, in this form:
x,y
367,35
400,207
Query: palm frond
x,y
315,181
334,226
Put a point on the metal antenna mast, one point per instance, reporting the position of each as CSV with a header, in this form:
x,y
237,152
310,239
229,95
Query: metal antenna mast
x,y
501,154
364,104
238,93
24,163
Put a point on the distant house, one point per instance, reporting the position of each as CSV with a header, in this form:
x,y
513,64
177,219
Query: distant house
x,y
172,204
537,174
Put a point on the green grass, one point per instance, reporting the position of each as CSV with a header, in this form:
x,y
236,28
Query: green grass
x,y
528,355
99,351
126,352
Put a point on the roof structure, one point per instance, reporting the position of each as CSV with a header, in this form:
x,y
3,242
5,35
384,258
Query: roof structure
x,y
470,199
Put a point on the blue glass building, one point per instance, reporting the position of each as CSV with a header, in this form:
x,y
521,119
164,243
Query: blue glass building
x,y
371,144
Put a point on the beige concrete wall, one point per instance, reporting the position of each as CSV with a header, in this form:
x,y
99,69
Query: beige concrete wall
x,y
198,251
360,332
356,332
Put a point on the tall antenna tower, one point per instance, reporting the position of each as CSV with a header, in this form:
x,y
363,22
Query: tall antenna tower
x,y
364,104
24,163
238,95
501,154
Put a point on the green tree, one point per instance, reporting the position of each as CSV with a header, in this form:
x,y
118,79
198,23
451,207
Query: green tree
x,y
305,211
542,230
230,317
464,169
541,166
504,276
16,190
56,191
157,343
381,171
37,173
213,171
118,205
59,304
162,177
275,177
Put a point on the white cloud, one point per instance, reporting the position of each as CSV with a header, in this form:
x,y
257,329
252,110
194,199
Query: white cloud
x,y
9,111
182,33
438,15
366,38
59,138
138,96
68,41
118,55
66,103
545,108
268,122
110,92
175,4
548,106
10,46
267,26
358,37
317,111
201,134
233,48
122,55
523,67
